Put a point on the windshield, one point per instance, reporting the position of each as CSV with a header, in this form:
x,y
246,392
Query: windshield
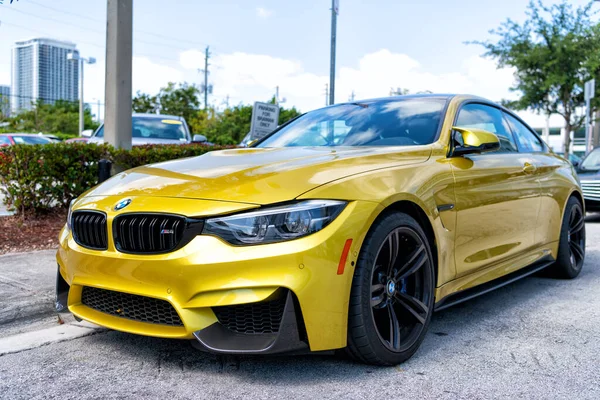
x,y
154,128
592,161
396,122
31,139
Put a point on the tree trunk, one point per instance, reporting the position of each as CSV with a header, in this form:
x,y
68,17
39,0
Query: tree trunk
x,y
567,138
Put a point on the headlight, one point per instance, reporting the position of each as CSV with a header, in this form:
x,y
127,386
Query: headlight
x,y
70,213
275,224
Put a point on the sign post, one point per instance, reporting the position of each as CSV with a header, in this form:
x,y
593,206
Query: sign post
x,y
588,93
265,118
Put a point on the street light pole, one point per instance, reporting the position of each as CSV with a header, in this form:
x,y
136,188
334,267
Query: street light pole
x,y
334,12
80,62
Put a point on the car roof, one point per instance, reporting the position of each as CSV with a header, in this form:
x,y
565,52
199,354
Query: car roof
x,y
157,116
437,96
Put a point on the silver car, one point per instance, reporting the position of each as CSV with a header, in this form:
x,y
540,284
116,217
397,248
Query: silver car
x,y
155,129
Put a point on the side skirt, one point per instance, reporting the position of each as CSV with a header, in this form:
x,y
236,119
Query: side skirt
x,y
467,294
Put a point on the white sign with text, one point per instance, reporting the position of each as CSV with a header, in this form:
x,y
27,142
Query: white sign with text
x,y
265,118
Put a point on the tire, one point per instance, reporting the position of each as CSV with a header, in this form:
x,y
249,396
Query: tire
x,y
394,280
571,248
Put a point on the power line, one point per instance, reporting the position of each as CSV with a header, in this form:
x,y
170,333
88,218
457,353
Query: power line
x,y
65,12
89,43
103,22
101,32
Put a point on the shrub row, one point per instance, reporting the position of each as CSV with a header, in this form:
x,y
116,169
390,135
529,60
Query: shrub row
x,y
37,178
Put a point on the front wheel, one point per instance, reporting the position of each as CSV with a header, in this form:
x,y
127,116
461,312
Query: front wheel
x,y
571,248
392,292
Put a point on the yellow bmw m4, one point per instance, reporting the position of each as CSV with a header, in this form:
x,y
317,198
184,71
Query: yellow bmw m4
x,y
346,228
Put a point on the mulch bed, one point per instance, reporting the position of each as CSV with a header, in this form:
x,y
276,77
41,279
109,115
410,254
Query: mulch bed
x,y
33,233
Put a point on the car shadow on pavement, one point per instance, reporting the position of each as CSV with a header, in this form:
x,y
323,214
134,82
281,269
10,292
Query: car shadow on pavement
x,y
504,313
592,217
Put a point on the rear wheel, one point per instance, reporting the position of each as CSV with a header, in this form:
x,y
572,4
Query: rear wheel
x,y
392,292
571,249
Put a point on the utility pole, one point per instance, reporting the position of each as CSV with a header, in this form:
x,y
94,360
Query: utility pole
x,y
326,94
334,12
206,57
117,89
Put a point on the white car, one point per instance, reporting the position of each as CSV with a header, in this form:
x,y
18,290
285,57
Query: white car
x,y
155,129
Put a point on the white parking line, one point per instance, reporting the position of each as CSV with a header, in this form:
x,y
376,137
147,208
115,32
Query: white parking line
x,y
32,340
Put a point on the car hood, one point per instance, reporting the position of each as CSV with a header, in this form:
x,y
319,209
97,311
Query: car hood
x,y
256,175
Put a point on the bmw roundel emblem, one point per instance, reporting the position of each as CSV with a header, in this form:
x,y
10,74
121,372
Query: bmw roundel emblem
x,y
122,204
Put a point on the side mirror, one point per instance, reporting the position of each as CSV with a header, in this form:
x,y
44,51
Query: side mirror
x,y
199,139
473,141
87,133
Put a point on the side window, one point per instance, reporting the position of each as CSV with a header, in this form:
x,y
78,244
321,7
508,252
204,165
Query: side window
x,y
488,118
528,142
100,132
4,140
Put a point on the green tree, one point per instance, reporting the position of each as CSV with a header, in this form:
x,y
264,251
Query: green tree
x,y
58,117
144,103
553,52
182,100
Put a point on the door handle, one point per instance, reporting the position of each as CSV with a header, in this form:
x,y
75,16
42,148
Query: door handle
x,y
529,168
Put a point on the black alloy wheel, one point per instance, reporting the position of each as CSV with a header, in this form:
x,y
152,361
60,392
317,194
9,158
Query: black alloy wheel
x,y
393,292
571,247
576,237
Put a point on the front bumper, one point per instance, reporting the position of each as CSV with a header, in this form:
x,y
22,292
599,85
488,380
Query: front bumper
x,y
208,273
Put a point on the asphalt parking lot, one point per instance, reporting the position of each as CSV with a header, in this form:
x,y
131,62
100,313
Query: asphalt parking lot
x,y
536,338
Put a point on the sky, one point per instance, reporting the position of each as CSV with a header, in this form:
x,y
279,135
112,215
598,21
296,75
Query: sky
x,y
257,45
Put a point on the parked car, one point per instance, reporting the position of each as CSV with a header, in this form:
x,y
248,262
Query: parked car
x,y
7,139
573,158
78,140
155,129
589,175
346,228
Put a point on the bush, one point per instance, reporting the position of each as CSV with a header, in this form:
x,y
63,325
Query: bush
x,y
150,154
37,178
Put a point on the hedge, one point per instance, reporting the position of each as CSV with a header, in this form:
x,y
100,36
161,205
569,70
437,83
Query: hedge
x,y
38,178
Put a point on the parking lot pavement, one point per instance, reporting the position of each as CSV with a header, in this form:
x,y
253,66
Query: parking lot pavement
x,y
27,283
536,338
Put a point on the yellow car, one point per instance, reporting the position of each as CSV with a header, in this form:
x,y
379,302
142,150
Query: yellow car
x,y
344,229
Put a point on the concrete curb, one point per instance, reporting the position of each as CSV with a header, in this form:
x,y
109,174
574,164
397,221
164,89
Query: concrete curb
x,y
56,334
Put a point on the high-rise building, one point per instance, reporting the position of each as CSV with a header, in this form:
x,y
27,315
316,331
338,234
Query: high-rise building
x,y
4,101
41,71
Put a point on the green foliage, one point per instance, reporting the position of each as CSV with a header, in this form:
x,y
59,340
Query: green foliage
x,y
150,154
40,177
62,116
232,125
144,103
553,52
224,128
37,178
181,100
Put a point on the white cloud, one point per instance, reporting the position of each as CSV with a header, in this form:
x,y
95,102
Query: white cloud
x,y
246,78
263,13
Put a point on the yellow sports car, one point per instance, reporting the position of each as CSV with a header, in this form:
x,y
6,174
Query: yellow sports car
x,y
345,228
